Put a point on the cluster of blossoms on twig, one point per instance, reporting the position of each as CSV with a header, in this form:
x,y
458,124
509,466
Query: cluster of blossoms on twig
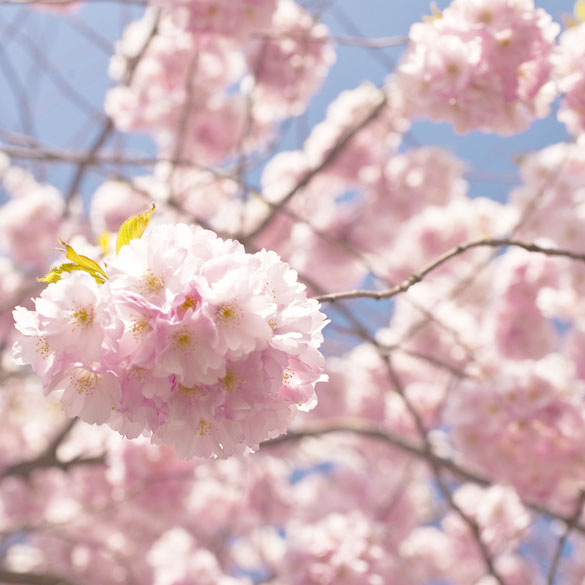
x,y
182,335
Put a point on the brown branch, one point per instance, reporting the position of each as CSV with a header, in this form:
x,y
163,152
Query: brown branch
x,y
182,129
327,160
358,41
458,250
437,471
56,155
108,127
465,283
90,34
243,156
49,459
348,24
15,83
437,363
25,468
366,429
32,578
570,526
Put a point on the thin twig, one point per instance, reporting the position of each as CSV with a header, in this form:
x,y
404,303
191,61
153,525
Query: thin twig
x,y
456,251
570,526
59,80
437,471
108,127
367,429
369,43
311,173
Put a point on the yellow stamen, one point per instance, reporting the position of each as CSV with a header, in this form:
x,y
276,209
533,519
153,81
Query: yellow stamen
x,y
42,346
138,328
188,390
228,313
183,340
204,427
229,381
151,283
84,382
189,303
82,317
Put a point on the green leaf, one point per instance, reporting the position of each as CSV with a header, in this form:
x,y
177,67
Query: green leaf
x,y
133,228
55,273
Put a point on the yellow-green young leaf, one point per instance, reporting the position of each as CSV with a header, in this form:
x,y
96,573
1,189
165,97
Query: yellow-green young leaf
x,y
86,263
55,273
579,10
133,228
436,14
104,242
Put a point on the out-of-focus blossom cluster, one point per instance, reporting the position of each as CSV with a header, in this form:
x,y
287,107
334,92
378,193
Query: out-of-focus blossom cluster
x,y
528,411
182,90
570,77
481,64
30,219
184,336
347,510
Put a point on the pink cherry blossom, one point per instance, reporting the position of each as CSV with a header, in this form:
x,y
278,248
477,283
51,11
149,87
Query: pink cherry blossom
x,y
570,76
481,65
531,410
341,549
222,17
289,64
209,349
29,222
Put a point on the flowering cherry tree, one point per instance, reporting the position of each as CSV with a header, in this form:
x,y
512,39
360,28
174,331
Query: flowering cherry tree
x,y
230,359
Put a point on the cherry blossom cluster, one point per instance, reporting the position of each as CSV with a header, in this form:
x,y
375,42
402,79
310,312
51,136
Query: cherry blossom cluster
x,y
145,512
570,77
481,65
184,336
530,410
29,221
182,90
235,20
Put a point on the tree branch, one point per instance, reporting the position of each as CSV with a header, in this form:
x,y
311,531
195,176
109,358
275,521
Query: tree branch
x,y
49,459
366,429
327,160
32,578
108,126
457,251
570,526
437,471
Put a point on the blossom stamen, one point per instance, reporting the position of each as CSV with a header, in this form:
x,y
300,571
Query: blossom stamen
x,y
151,284
82,317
